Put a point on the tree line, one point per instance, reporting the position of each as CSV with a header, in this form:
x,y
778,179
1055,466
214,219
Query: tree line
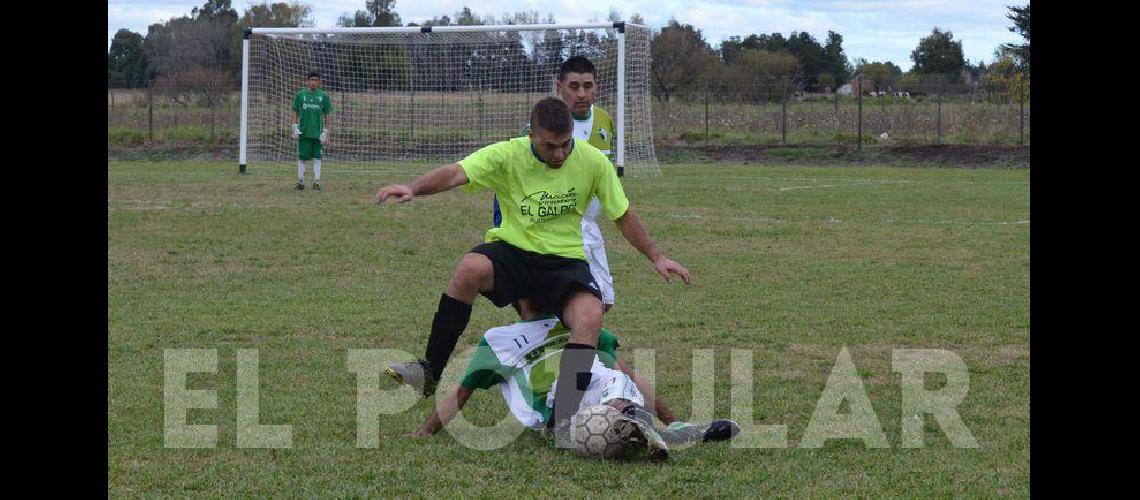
x,y
204,48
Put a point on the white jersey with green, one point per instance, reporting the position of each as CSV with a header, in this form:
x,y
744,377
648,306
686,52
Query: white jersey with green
x,y
523,359
598,129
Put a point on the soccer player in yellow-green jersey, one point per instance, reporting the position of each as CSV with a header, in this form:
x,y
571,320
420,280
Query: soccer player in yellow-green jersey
x,y
544,182
310,108
577,86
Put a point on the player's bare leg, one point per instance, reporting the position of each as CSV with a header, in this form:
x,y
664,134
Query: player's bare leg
x,y
583,314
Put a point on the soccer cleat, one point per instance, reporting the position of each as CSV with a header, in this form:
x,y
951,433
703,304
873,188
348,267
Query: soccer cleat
x,y
300,186
317,186
685,432
416,374
547,433
635,431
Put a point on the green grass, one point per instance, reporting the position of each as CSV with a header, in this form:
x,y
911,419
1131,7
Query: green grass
x,y
791,263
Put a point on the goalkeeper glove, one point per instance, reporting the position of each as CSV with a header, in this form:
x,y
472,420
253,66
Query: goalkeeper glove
x,y
296,131
324,135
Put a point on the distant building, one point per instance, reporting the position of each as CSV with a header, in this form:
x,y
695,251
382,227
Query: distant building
x,y
844,90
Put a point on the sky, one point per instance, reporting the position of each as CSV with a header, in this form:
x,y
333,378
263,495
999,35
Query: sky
x,y
874,30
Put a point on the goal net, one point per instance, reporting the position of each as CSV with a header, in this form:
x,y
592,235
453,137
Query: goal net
x,y
433,95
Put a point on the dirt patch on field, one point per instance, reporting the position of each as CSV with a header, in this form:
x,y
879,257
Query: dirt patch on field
x,y
969,156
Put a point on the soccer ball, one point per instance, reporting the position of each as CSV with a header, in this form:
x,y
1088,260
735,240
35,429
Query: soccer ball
x,y
592,430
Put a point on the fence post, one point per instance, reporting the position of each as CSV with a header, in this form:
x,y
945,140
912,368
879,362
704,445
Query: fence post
x,y
784,120
838,137
1021,115
706,113
859,121
938,119
149,114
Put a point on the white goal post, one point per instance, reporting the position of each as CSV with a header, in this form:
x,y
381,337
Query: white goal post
x,y
435,93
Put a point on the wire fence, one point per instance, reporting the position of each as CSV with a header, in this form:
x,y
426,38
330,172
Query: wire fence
x,y
200,120
785,115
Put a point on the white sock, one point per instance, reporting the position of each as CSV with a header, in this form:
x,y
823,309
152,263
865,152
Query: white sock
x,y
316,170
301,171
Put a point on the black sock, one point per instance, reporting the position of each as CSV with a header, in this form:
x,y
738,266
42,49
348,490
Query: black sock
x,y
573,378
450,320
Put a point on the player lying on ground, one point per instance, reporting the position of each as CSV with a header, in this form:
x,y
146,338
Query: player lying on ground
x,y
523,360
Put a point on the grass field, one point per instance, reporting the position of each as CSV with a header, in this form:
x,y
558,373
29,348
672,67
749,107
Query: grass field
x,y
790,263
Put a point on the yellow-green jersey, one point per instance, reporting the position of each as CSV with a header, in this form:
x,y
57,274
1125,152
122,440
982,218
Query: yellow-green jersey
x,y
311,108
542,207
596,129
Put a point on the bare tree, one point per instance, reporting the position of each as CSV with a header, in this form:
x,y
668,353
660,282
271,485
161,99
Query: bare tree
x,y
192,58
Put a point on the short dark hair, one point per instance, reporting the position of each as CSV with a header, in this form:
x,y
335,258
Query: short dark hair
x,y
577,64
552,115
313,74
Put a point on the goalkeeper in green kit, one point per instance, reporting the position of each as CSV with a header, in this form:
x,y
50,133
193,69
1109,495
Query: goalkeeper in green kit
x,y
311,108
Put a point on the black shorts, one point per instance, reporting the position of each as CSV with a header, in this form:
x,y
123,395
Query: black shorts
x,y
520,274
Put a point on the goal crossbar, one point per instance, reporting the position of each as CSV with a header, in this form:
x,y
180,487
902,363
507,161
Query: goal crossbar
x,y
620,25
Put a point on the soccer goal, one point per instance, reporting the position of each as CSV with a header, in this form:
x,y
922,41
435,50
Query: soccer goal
x,y
429,95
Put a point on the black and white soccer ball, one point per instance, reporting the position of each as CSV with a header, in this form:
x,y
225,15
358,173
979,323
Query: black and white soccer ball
x,y
594,435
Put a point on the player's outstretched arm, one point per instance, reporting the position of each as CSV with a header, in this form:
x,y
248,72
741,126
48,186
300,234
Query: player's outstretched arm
x,y
637,236
436,181
444,412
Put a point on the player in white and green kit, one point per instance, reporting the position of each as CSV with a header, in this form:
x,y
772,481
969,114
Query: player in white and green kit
x,y
577,86
311,107
523,360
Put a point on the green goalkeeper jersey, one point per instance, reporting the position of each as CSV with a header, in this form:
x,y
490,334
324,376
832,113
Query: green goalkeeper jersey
x,y
311,108
523,359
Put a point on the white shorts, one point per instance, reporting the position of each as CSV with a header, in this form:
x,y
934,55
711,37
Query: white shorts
x,y
605,384
595,249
